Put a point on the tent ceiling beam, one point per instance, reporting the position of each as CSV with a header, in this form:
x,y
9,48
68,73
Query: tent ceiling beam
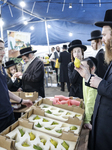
x,y
25,11
42,21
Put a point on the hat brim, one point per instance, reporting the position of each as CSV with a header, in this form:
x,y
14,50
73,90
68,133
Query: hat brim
x,y
26,53
11,65
95,38
64,48
103,23
78,45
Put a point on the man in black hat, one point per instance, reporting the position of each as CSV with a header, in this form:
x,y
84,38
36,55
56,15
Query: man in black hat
x,y
102,116
96,44
6,111
33,75
64,60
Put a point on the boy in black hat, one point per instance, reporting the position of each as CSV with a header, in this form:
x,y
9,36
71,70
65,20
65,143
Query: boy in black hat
x,y
89,93
13,80
96,44
64,60
76,48
33,75
102,117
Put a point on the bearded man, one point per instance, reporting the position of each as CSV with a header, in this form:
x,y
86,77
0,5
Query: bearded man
x,y
102,117
33,75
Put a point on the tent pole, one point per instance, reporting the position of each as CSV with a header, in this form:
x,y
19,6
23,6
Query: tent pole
x,y
1,32
46,29
1,26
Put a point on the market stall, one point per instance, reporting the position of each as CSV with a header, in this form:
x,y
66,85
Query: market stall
x,y
48,126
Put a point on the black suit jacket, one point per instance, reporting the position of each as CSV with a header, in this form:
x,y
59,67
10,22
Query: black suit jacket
x,y
13,86
33,77
75,81
101,64
102,116
64,60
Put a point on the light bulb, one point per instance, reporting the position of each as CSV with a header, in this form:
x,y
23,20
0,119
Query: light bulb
x,y
70,5
32,28
70,34
25,22
22,4
49,26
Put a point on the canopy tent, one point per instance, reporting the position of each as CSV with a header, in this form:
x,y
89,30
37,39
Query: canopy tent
x,y
79,20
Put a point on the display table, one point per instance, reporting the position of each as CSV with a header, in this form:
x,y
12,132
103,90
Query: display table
x,y
21,110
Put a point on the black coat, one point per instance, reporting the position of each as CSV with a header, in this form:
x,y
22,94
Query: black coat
x,y
75,81
101,65
13,86
33,77
64,60
102,116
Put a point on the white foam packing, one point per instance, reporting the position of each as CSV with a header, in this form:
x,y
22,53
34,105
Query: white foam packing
x,y
60,116
60,125
36,141
2,148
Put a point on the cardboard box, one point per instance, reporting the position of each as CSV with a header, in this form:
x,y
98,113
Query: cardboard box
x,y
26,95
38,111
63,106
72,98
21,122
25,123
5,143
35,139
80,100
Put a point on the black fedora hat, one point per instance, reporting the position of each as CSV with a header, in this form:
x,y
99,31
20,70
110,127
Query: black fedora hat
x,y
64,47
26,51
96,34
76,43
107,20
10,63
94,60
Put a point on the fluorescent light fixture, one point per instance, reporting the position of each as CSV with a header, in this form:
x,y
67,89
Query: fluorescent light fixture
x,y
25,22
70,34
22,4
49,26
32,28
70,5
1,22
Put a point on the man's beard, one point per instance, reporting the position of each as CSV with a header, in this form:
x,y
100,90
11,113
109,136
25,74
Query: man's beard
x,y
108,52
